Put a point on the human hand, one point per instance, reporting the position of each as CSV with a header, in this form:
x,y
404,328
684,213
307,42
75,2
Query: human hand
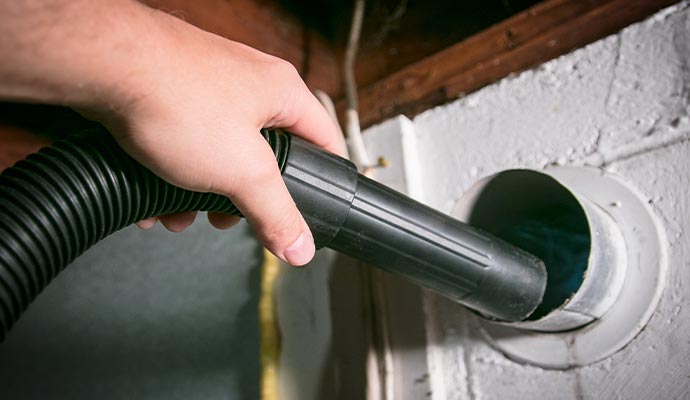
x,y
192,114
184,102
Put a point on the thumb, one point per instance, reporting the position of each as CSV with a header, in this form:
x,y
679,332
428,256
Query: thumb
x,y
259,192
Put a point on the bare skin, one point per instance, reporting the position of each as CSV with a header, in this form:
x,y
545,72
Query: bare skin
x,y
184,102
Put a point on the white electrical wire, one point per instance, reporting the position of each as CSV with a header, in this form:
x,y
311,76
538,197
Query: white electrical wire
x,y
357,149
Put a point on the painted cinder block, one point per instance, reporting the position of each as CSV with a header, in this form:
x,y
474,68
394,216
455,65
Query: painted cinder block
x,y
622,105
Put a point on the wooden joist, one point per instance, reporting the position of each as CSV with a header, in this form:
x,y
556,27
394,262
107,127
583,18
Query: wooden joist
x,y
266,26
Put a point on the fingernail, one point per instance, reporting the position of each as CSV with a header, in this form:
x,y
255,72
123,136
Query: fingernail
x,y
301,251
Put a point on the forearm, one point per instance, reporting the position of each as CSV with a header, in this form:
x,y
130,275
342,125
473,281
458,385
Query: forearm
x,y
80,53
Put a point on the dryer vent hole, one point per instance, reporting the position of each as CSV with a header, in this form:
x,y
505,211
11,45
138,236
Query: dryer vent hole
x,y
536,213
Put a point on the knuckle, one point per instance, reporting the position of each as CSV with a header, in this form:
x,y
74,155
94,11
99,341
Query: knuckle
x,y
284,70
287,68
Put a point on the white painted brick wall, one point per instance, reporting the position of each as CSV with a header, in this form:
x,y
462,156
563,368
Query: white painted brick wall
x,y
622,104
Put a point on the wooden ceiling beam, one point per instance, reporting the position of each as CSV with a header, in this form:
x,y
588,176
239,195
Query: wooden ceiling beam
x,y
266,26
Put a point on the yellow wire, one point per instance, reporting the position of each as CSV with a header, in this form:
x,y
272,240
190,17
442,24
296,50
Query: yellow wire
x,y
268,326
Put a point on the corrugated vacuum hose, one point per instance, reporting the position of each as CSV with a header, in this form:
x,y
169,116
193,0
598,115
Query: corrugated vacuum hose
x,y
58,202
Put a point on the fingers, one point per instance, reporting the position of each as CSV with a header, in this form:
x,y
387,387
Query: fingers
x,y
316,125
222,221
302,114
178,222
259,192
173,222
148,223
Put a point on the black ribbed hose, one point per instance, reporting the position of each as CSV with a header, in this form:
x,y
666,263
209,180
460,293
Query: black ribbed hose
x,y
60,201
64,199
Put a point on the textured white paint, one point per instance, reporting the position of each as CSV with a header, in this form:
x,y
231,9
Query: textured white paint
x,y
614,93
621,104
395,141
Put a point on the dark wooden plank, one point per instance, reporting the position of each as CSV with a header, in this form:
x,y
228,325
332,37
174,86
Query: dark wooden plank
x,y
399,33
266,26
529,38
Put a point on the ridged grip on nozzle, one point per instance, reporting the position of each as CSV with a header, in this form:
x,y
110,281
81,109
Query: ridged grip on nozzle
x,y
371,222
405,237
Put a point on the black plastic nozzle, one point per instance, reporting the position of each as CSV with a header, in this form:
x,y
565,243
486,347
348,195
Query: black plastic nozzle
x,y
355,215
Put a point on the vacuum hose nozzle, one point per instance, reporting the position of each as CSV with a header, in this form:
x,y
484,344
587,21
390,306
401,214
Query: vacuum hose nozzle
x,y
60,201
